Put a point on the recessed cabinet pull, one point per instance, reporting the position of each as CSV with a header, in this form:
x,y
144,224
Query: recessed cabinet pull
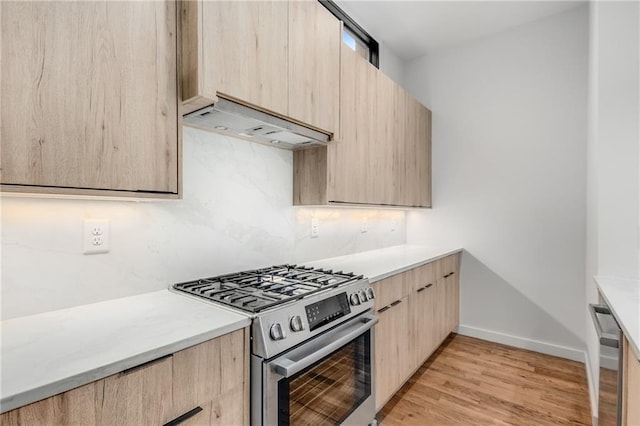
x,y
421,289
397,302
428,285
183,417
145,365
449,274
381,310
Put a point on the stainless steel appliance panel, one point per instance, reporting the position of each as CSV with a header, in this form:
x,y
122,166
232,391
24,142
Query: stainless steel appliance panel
x,y
610,383
329,380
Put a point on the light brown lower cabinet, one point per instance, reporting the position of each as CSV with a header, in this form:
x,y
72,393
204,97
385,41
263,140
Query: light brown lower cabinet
x,y
630,386
416,310
392,355
208,381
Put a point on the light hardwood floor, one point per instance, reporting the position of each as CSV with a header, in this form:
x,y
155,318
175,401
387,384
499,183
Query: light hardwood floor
x,y
469,381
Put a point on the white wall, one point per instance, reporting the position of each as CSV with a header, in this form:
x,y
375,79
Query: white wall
x,y
613,175
236,214
509,154
391,64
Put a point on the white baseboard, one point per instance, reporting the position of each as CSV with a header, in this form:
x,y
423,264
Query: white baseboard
x,y
593,397
520,342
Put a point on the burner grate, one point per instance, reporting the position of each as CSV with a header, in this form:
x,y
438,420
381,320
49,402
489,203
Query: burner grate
x,y
260,289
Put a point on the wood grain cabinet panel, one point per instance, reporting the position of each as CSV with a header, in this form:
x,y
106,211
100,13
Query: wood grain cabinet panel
x,y
417,310
237,49
448,270
314,65
140,396
90,98
630,386
382,155
75,407
423,308
347,168
212,376
392,355
280,57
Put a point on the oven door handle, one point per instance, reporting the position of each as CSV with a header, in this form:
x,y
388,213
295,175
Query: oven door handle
x,y
287,367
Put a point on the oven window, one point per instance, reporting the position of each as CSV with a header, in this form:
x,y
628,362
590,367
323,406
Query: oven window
x,y
330,390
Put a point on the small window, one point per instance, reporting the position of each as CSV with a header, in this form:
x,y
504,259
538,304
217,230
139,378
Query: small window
x,y
353,35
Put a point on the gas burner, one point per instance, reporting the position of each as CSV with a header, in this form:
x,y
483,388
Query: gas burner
x,y
260,289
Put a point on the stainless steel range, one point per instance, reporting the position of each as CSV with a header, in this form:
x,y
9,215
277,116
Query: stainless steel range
x,y
312,341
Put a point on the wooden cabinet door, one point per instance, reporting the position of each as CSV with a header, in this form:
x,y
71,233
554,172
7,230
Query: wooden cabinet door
x,y
448,272
314,65
89,96
423,307
213,376
413,171
630,386
140,396
383,147
393,360
348,169
238,49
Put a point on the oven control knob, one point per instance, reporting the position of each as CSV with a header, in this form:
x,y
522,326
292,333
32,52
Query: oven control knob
x,y
370,294
362,296
296,323
276,332
354,299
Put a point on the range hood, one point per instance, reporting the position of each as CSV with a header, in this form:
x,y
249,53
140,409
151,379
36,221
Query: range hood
x,y
230,117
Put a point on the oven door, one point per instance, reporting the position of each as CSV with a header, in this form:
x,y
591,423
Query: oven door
x,y
325,381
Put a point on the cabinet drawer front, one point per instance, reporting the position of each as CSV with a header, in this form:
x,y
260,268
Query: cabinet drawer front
x,y
390,290
448,266
422,276
140,396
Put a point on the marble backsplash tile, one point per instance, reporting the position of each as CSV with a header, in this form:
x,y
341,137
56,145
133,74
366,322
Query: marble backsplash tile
x,y
236,213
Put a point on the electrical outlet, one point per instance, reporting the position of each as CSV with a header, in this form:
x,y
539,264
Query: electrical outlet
x,y
394,225
315,228
364,225
96,236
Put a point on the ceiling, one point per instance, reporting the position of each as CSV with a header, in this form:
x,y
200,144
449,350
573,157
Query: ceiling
x,y
414,28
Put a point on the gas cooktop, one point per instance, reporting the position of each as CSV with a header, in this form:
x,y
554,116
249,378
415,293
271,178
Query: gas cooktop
x,y
256,290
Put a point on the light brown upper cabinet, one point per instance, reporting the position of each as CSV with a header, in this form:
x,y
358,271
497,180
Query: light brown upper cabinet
x,y
314,65
280,57
237,49
382,155
90,98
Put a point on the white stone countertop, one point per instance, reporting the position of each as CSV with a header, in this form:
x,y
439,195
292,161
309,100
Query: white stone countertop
x,y
382,263
45,354
49,353
623,297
